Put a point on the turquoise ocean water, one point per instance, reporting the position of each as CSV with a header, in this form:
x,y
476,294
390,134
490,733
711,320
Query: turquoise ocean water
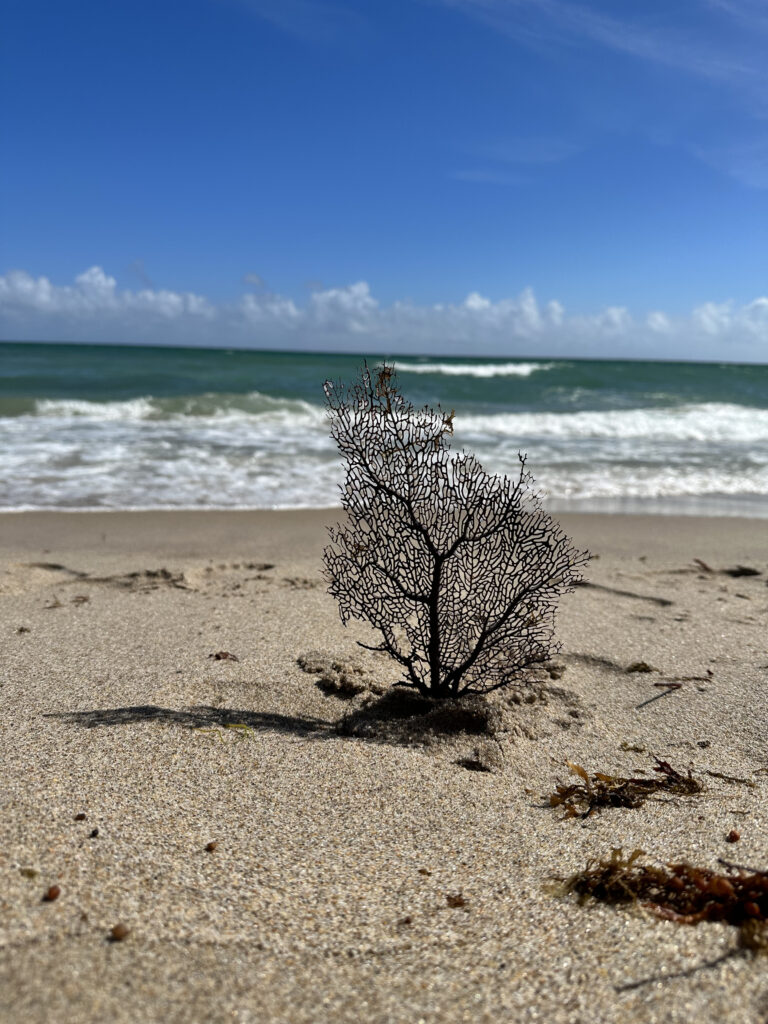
x,y
85,426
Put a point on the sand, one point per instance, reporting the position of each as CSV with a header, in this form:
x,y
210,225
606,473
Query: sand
x,y
360,873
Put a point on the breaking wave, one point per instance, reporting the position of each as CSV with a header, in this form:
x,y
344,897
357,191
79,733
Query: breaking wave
x,y
88,427
474,369
709,421
217,408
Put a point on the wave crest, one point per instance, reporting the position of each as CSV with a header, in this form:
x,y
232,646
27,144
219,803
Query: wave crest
x,y
708,421
474,369
213,408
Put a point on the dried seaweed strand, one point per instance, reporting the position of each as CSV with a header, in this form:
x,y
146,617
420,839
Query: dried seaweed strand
x,y
600,790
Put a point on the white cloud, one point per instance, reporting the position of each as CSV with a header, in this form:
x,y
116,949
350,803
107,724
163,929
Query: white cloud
x,y
352,308
93,295
718,319
555,312
712,318
659,322
261,309
94,308
755,315
476,302
613,321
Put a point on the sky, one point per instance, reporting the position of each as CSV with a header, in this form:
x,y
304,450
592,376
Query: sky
x,y
475,177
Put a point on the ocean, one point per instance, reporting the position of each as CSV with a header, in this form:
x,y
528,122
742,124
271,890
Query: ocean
x,y
125,427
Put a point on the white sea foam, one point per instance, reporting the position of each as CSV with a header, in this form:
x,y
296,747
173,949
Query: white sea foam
x,y
652,481
214,408
710,421
66,408
702,422
253,451
474,369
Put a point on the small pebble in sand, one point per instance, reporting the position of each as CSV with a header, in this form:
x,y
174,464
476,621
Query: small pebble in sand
x,y
119,932
210,847
733,836
52,894
94,833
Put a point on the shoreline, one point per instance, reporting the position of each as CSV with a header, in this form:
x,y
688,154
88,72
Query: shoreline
x,y
653,507
303,530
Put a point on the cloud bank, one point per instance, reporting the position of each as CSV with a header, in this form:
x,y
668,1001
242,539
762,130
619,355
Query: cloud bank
x,y
350,318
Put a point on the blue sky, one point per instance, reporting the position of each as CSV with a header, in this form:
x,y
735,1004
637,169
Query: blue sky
x,y
491,176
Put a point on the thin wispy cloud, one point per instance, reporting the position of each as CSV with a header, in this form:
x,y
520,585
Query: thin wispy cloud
x,y
487,176
749,13
650,39
350,317
494,160
139,271
254,280
719,43
745,161
540,150
308,20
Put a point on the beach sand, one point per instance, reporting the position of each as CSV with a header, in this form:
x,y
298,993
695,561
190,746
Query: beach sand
x,y
360,872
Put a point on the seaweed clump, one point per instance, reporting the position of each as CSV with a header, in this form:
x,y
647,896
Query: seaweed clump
x,y
682,892
600,790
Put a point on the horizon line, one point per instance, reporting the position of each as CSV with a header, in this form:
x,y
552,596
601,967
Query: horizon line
x,y
382,355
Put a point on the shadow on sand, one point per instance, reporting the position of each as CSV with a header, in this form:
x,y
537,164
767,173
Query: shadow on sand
x,y
398,717
199,717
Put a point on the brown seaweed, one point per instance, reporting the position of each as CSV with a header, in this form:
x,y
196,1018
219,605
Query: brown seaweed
x,y
682,892
600,790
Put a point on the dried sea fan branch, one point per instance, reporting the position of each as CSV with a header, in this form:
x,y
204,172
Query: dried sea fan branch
x,y
459,570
